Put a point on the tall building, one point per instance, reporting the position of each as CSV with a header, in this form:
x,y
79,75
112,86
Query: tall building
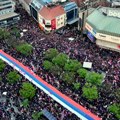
x,y
7,14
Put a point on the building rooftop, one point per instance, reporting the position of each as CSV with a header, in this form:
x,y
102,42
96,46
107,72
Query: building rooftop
x,y
51,13
104,24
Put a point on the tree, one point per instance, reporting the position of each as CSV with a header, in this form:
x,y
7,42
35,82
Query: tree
x,y
94,78
15,31
60,59
4,34
76,86
37,115
27,91
47,65
56,70
13,77
72,65
68,77
51,53
25,49
90,92
117,94
25,103
0,79
115,109
82,72
2,65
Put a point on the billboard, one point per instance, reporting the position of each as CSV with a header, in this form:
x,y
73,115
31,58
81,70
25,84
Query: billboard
x,y
53,24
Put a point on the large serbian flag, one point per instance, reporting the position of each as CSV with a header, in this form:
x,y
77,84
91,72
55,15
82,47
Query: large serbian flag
x,y
53,24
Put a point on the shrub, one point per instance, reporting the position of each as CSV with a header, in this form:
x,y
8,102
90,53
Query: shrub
x,y
76,86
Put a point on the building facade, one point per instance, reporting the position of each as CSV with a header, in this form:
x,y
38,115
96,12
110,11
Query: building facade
x,y
52,14
7,14
103,28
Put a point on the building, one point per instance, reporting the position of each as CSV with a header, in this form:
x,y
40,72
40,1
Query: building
x,y
114,3
7,14
52,18
25,4
103,28
52,14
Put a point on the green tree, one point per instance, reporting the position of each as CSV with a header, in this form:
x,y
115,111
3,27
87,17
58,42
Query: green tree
x,y
94,78
2,65
0,79
82,72
25,103
27,91
25,49
115,109
37,115
60,59
13,77
15,31
56,70
76,86
4,34
51,53
72,65
47,65
68,77
90,92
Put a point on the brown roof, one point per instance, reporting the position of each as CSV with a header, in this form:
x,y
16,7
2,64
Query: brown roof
x,y
28,1
51,13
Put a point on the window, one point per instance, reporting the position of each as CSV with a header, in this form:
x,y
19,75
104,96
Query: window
x,y
48,26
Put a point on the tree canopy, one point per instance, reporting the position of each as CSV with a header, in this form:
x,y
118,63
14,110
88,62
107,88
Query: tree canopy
x,y
115,109
72,65
82,72
68,77
60,59
51,53
25,49
27,91
90,92
47,65
13,77
2,65
94,78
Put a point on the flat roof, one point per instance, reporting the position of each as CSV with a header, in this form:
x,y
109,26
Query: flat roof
x,y
8,15
104,24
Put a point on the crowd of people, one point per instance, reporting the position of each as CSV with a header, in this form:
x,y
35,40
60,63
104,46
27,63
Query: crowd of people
x,y
103,61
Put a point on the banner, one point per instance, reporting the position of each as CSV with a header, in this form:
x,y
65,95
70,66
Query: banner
x,y
53,24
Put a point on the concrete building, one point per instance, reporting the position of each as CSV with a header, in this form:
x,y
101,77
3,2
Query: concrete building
x,y
49,13
103,28
7,14
51,18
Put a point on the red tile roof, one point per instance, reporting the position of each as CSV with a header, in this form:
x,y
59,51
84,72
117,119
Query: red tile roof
x,y
51,13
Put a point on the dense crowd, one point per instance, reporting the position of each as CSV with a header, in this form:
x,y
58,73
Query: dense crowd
x,y
104,61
